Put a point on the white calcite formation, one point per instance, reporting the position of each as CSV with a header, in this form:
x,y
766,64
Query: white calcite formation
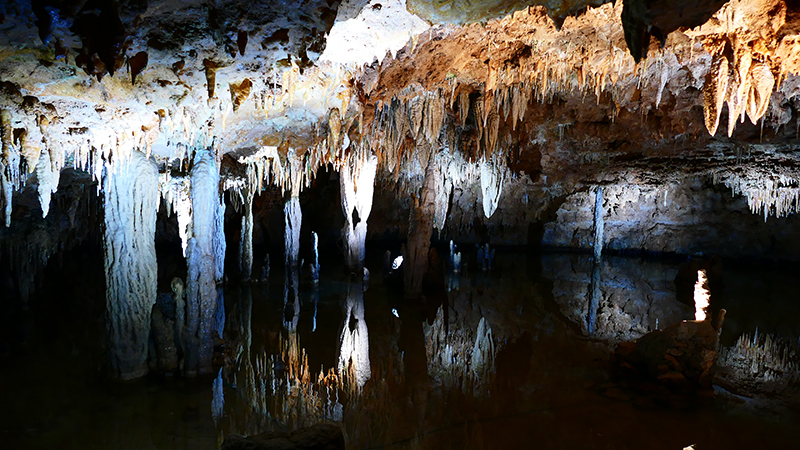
x,y
357,184
201,259
130,192
354,339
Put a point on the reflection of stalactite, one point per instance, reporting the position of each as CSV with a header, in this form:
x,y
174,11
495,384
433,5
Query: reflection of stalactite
x,y
131,200
483,353
357,183
291,298
457,357
201,290
354,340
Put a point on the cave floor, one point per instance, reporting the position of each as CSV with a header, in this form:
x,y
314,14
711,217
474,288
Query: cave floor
x,y
549,385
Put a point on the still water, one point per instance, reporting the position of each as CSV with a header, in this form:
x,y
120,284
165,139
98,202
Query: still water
x,y
516,357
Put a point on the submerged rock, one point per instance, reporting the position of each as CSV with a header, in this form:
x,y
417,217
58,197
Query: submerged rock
x,y
680,355
317,437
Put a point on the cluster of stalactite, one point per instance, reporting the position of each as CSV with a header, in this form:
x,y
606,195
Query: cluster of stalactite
x,y
762,359
767,194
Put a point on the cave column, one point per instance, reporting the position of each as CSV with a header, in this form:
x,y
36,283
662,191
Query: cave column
x,y
130,195
357,186
293,219
420,230
597,262
202,263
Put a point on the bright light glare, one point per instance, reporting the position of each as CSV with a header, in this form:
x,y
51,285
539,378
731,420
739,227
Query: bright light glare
x,y
397,262
701,296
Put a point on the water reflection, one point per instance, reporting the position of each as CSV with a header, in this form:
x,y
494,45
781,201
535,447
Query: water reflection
x,y
501,359
354,339
616,299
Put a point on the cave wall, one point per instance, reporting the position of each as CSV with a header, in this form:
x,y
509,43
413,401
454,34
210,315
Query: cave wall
x,y
686,217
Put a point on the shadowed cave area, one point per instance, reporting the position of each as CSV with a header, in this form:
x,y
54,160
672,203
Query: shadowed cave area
x,y
374,224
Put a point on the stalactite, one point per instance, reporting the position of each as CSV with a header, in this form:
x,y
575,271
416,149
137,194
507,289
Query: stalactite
x,y
9,165
315,265
293,218
201,290
354,337
714,92
246,240
599,223
420,229
220,245
493,174
131,200
767,194
760,91
357,184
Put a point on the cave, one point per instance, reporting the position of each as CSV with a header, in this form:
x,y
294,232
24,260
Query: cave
x,y
399,224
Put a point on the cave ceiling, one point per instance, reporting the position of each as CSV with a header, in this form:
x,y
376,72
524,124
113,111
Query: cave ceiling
x,y
565,93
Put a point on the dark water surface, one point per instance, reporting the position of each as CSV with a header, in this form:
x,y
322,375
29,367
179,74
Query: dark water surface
x,y
514,358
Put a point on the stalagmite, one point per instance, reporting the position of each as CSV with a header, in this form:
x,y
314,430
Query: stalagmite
x,y
201,292
357,184
354,339
131,200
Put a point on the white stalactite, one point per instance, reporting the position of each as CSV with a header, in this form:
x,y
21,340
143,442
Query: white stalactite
x,y
291,235
357,186
246,242
293,216
47,179
354,340
131,202
599,223
219,239
178,198
201,290
493,175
